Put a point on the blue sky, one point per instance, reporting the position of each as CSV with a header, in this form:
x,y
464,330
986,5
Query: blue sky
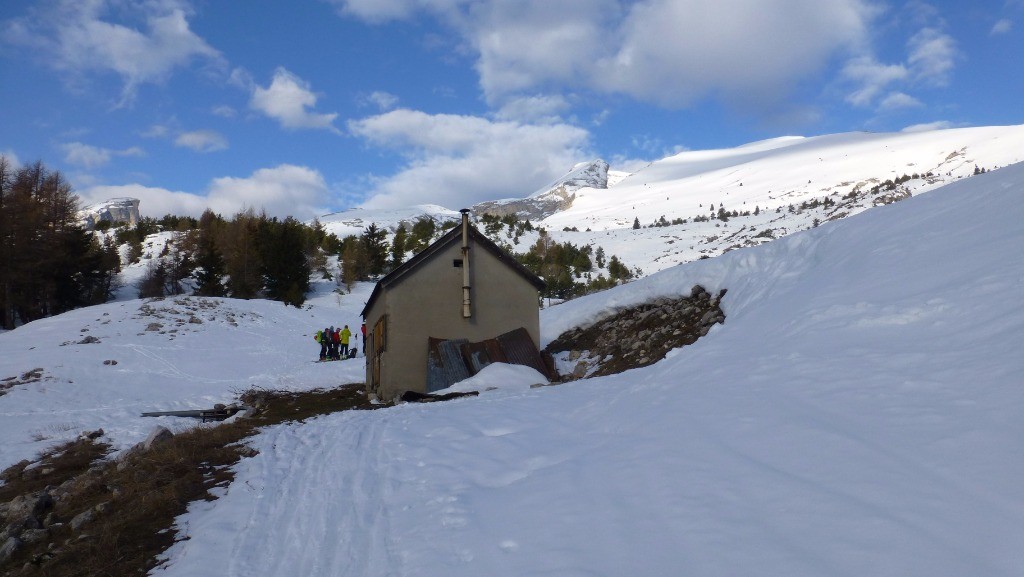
x,y
308,107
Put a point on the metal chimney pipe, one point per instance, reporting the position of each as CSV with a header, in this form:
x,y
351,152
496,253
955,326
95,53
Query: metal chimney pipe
x,y
467,309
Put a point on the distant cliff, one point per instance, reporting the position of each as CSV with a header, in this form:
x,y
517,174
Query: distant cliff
x,y
115,211
556,197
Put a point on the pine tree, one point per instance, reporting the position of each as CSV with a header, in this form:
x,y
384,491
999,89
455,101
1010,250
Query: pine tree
x,y
285,267
241,255
154,281
354,266
618,271
375,246
398,247
210,268
422,232
636,223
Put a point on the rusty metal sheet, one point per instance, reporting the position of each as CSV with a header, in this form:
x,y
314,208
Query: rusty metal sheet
x,y
445,365
479,355
519,349
450,361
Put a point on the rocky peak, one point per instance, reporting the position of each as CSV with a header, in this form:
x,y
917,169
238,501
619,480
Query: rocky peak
x,y
114,210
592,174
553,198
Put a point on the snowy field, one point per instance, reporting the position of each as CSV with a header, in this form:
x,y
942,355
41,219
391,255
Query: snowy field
x,y
859,413
180,353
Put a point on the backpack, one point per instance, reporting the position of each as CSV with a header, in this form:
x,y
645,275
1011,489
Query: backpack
x,y
318,336
335,337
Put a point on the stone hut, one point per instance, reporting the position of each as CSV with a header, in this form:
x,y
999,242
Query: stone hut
x,y
435,318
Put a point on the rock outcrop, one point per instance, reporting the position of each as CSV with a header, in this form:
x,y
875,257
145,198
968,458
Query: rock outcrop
x,y
553,198
114,211
637,336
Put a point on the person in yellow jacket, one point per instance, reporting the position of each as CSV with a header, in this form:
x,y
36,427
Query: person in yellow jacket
x,y
345,336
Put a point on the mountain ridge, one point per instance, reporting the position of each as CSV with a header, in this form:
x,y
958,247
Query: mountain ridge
x,y
766,189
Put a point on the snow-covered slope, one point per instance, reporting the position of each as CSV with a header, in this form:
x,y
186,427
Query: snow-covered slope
x,y
102,366
777,186
774,187
857,414
354,221
784,171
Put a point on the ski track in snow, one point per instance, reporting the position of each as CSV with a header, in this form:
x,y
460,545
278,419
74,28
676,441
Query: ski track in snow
x,y
171,369
343,520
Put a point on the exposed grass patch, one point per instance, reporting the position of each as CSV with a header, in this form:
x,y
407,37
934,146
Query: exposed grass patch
x,y
134,500
52,469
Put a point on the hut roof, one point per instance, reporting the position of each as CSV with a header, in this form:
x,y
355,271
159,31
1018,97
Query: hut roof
x,y
452,236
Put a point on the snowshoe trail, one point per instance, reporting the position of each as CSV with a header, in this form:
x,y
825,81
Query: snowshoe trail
x,y
305,470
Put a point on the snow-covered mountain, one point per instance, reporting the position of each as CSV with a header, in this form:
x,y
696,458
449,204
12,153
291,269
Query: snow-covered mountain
x,y
552,199
774,187
858,413
114,211
354,221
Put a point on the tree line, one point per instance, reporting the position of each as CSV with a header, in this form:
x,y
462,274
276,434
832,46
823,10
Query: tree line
x,y
571,271
250,256
568,270
49,263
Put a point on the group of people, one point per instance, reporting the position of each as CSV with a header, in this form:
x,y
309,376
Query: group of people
x,y
334,343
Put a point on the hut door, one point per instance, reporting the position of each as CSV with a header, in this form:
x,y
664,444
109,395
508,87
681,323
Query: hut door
x,y
379,339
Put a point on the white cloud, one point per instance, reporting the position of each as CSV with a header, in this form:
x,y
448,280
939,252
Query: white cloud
x,y
202,140
620,163
524,46
224,111
1003,26
377,10
241,78
937,125
288,100
932,56
75,37
871,78
539,108
655,147
456,161
383,101
898,100
675,52
154,202
156,131
12,159
668,52
85,155
89,157
285,190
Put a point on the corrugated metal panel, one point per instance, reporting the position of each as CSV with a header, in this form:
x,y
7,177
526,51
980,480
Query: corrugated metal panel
x,y
520,350
479,355
451,361
445,365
